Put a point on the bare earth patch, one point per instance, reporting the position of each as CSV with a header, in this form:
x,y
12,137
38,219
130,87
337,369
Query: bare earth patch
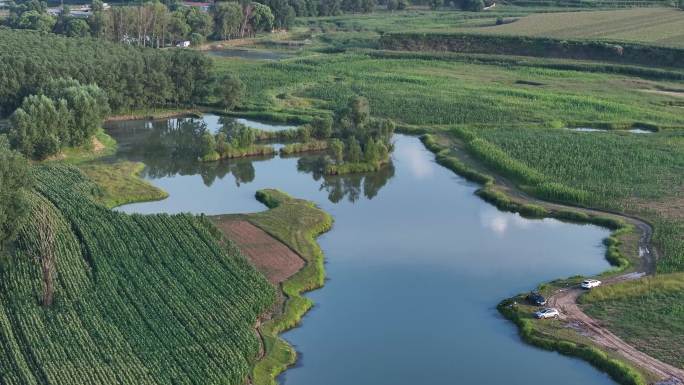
x,y
97,145
268,255
666,93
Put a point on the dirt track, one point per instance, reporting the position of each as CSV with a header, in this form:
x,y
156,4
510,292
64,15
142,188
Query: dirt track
x,y
566,302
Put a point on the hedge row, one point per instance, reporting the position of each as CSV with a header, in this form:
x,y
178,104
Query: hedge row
x,y
627,53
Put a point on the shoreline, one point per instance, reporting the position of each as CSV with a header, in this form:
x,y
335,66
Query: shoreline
x,y
278,355
295,223
155,114
505,196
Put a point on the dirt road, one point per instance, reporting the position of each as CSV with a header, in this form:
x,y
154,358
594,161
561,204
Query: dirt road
x,y
566,300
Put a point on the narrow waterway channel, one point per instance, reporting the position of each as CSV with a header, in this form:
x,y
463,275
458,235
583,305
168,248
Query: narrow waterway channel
x,y
416,265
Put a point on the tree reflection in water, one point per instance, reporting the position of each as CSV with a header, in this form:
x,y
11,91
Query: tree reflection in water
x,y
172,147
350,186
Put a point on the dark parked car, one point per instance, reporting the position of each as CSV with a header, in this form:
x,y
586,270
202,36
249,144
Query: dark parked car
x,y
536,299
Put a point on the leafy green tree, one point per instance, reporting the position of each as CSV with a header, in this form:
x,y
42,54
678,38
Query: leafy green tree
x,y
392,5
336,148
262,18
402,4
77,28
367,6
38,127
207,144
196,39
370,153
97,21
229,90
38,21
87,105
472,5
329,7
62,20
322,128
15,180
359,110
354,152
436,4
283,13
237,134
178,27
304,133
199,22
227,18
221,143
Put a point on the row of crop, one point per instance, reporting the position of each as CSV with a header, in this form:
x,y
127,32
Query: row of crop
x,y
536,46
167,304
502,60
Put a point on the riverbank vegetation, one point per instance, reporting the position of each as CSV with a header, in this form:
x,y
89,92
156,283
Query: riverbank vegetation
x,y
77,290
492,114
507,115
296,223
633,309
571,344
120,183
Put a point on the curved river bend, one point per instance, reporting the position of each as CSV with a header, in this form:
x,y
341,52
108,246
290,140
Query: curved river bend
x,y
416,265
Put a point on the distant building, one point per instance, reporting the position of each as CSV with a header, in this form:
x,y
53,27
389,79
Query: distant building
x,y
203,6
80,11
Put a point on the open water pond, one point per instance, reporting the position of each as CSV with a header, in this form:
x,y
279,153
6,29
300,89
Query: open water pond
x,y
416,265
248,54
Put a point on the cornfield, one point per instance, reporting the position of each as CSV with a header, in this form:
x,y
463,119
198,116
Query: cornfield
x,y
137,299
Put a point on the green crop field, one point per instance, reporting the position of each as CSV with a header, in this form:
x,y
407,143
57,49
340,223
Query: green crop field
x,y
635,309
137,299
418,90
660,26
515,110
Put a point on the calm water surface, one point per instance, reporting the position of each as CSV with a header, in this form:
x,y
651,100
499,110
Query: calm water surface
x,y
416,265
249,54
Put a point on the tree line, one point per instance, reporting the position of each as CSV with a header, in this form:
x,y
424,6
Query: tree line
x,y
160,24
149,24
131,77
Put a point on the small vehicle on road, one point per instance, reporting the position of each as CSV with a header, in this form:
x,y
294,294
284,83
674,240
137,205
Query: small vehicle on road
x,y
590,283
536,299
548,312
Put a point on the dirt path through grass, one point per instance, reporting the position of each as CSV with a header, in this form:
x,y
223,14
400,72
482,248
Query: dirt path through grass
x,y
566,301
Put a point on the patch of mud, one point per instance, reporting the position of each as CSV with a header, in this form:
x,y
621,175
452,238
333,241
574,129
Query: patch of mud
x,y
676,94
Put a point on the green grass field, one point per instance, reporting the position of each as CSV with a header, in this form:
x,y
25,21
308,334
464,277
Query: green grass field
x,y
517,108
422,91
660,26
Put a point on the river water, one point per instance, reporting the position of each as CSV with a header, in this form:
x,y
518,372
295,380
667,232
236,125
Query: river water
x,y
416,265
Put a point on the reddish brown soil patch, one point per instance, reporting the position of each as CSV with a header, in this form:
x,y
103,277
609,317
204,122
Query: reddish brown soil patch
x,y
268,255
